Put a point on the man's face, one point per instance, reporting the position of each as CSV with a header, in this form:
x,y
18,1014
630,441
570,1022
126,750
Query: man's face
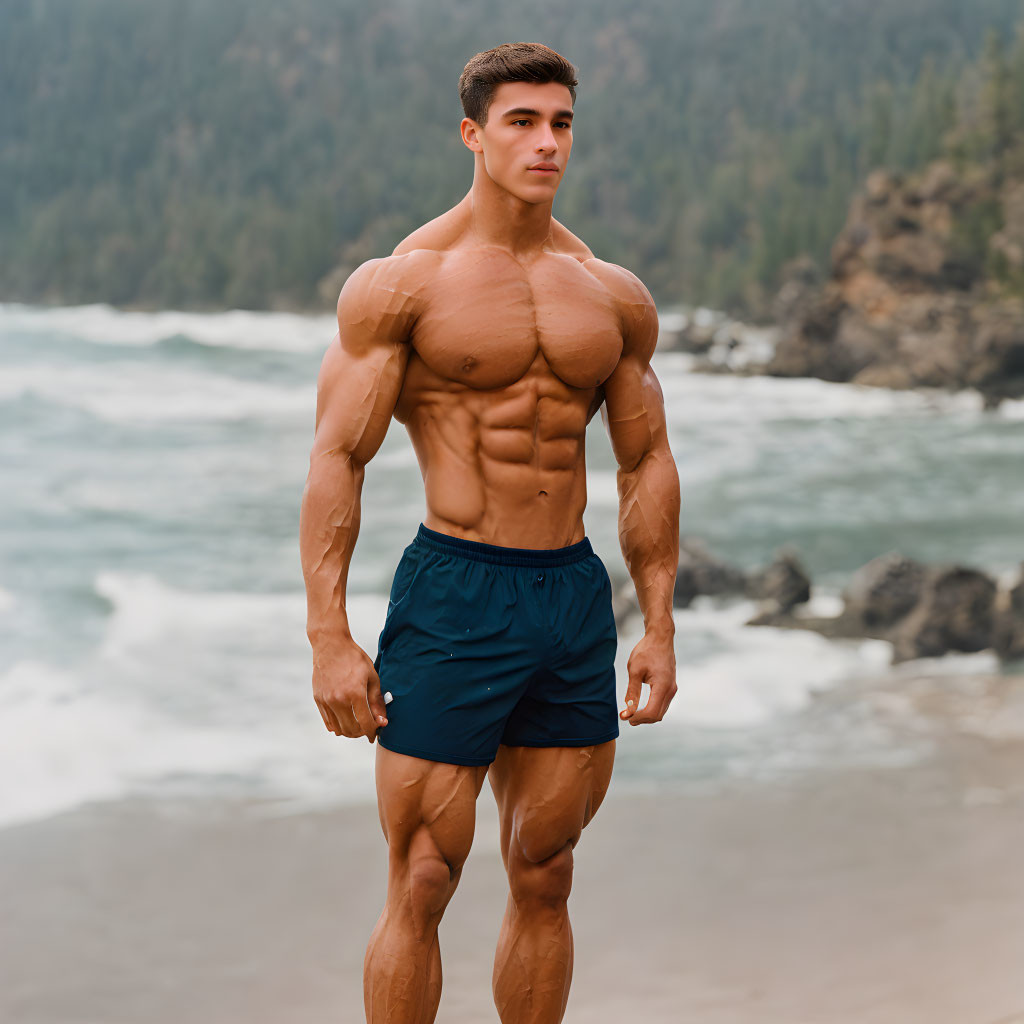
x,y
527,125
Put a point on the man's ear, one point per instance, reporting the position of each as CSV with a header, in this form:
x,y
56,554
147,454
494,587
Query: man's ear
x,y
471,134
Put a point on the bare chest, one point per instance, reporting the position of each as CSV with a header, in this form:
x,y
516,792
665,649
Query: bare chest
x,y
487,317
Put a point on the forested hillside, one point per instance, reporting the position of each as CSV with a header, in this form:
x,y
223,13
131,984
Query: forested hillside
x,y
250,153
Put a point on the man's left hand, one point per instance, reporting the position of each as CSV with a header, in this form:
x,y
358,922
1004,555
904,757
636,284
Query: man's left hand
x,y
652,661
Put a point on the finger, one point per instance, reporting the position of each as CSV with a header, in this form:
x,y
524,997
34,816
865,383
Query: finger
x,y
376,703
361,711
323,718
632,700
654,710
642,713
346,720
329,720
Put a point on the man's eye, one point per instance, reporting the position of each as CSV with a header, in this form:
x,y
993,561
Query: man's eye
x,y
523,120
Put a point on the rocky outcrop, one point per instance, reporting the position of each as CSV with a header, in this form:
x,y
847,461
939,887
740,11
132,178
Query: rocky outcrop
x,y
912,298
701,573
781,585
882,592
778,586
953,613
923,611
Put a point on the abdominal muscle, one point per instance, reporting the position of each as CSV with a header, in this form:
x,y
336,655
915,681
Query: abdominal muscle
x,y
503,465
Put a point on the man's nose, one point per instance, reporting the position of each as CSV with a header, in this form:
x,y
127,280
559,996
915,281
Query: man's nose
x,y
547,142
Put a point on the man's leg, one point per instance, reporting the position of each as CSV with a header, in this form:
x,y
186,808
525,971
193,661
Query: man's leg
x,y
545,795
427,811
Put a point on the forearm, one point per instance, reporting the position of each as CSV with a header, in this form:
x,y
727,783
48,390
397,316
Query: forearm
x,y
328,528
649,534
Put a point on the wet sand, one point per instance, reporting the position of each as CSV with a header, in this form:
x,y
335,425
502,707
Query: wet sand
x,y
883,896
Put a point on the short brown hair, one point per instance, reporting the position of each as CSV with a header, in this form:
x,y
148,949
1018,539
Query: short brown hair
x,y
510,62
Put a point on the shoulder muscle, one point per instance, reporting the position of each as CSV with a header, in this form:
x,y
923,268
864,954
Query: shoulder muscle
x,y
637,312
363,368
381,298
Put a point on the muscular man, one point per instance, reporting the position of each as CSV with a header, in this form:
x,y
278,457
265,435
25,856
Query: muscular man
x,y
494,335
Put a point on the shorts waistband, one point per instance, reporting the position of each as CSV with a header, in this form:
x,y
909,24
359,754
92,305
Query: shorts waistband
x,y
496,553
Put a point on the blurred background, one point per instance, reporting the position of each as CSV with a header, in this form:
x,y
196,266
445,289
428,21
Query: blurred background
x,y
826,199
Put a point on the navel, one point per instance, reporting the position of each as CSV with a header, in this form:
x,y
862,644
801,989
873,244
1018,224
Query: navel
x,y
468,363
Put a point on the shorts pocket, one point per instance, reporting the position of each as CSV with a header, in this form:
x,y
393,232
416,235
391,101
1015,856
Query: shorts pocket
x,y
603,571
401,587
606,602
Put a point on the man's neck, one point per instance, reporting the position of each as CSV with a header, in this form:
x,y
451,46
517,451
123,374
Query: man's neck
x,y
497,217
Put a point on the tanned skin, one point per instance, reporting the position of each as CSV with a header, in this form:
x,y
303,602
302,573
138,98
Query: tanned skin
x,y
494,335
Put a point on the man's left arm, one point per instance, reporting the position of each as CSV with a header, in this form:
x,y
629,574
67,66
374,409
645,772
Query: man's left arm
x,y
648,486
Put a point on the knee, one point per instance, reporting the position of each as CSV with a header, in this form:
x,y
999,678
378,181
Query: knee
x,y
430,881
545,882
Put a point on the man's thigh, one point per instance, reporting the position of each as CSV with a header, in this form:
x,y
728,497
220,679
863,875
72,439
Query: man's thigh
x,y
547,795
427,808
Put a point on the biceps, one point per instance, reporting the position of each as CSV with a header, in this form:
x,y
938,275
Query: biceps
x,y
633,412
356,397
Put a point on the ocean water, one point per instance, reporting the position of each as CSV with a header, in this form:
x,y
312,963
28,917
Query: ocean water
x,y
152,613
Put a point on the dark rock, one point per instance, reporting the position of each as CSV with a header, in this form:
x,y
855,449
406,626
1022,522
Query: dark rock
x,y
994,393
685,588
997,350
701,573
804,348
922,611
883,591
955,613
1008,631
695,338
783,583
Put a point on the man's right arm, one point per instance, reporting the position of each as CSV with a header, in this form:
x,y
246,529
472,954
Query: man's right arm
x,y
357,388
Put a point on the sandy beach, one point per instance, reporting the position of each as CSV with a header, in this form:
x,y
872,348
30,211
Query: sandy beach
x,y
881,896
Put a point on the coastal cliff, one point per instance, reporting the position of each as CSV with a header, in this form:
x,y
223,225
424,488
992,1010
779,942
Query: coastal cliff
x,y
925,288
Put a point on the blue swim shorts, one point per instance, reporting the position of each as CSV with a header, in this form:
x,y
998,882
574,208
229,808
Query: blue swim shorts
x,y
484,644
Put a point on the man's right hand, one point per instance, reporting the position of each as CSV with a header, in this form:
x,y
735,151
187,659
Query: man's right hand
x,y
346,688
